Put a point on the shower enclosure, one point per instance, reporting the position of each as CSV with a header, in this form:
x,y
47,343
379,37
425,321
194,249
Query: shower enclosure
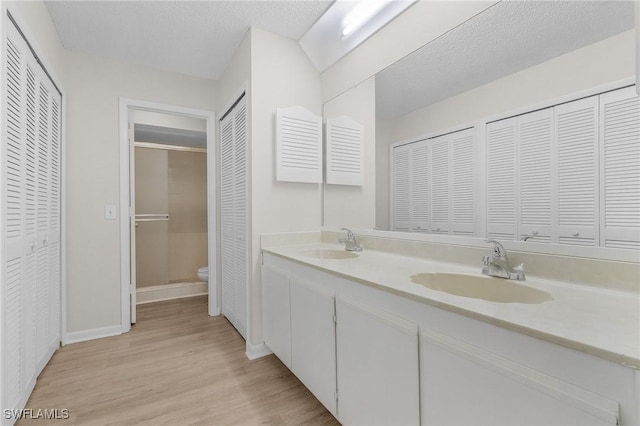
x,y
171,220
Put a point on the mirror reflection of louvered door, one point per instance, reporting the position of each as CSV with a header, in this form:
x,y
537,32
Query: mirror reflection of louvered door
x,y
31,176
233,217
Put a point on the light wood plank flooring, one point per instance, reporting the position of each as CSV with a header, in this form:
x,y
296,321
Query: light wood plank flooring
x,y
176,366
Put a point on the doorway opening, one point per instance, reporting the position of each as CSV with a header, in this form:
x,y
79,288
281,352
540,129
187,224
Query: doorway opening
x,y
168,205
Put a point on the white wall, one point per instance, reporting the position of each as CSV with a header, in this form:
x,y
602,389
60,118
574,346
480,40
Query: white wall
x,y
281,76
609,60
93,86
355,206
383,177
169,120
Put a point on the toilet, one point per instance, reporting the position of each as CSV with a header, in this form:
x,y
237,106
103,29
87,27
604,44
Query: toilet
x,y
203,274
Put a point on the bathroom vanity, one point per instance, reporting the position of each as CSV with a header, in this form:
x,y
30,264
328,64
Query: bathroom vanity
x,y
386,338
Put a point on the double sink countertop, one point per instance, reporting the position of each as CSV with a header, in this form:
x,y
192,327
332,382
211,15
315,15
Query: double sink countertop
x,y
599,321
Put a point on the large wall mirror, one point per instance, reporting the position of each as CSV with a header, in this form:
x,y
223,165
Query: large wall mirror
x,y
511,58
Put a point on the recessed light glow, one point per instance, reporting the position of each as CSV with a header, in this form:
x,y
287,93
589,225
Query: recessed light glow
x,y
361,14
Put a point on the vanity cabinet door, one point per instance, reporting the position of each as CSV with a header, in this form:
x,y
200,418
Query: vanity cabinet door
x,y
377,361
276,325
462,384
313,350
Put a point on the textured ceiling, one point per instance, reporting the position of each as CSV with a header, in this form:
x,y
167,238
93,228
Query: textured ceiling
x,y
506,38
196,38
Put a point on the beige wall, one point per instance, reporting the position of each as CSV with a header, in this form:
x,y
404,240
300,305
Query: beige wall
x,y
281,76
93,86
346,205
597,64
383,176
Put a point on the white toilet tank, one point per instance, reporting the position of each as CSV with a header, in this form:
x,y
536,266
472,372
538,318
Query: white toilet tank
x,y
203,274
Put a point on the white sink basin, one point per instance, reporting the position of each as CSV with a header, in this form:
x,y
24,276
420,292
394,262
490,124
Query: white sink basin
x,y
328,254
482,287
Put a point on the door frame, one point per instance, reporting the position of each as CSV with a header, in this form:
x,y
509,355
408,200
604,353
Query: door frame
x,y
127,105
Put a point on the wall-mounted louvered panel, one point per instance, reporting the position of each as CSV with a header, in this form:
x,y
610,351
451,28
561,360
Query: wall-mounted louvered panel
x,y
420,187
345,151
401,189
298,145
463,172
501,179
537,184
620,173
440,192
577,171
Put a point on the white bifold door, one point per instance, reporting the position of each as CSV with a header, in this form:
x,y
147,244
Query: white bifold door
x,y
30,227
233,216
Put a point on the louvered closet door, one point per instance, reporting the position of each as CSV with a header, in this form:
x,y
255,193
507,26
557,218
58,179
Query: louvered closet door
x,y
402,188
620,173
576,132
463,172
234,244
227,244
536,176
31,220
240,216
420,187
440,166
501,179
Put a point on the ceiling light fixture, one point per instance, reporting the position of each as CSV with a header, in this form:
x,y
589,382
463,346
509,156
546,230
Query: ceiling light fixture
x,y
361,14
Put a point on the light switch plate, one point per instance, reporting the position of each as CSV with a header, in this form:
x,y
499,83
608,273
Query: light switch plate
x,y
110,211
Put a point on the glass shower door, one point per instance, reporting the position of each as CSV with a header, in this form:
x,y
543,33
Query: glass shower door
x,y
152,217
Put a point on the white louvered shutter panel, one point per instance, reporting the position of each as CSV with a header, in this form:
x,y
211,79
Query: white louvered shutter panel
x,y
13,226
228,241
31,167
620,169
54,219
576,132
240,215
30,217
401,207
298,145
536,183
463,173
501,179
439,162
345,151
420,190
42,223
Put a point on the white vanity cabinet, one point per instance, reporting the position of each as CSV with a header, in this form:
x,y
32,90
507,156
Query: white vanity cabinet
x,y
377,366
397,360
313,345
276,324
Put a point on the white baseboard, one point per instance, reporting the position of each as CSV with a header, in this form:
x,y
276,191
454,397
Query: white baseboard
x,y
257,351
158,293
95,333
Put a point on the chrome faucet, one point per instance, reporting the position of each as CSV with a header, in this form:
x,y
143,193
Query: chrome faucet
x,y
350,243
497,264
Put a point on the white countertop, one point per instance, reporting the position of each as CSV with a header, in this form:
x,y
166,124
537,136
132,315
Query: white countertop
x,y
602,322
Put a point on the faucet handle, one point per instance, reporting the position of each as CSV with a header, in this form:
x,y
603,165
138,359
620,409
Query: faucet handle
x,y
498,248
349,232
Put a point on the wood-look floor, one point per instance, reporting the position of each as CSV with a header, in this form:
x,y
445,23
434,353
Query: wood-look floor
x,y
177,366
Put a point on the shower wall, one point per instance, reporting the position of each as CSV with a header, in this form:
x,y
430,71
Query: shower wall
x,y
173,183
